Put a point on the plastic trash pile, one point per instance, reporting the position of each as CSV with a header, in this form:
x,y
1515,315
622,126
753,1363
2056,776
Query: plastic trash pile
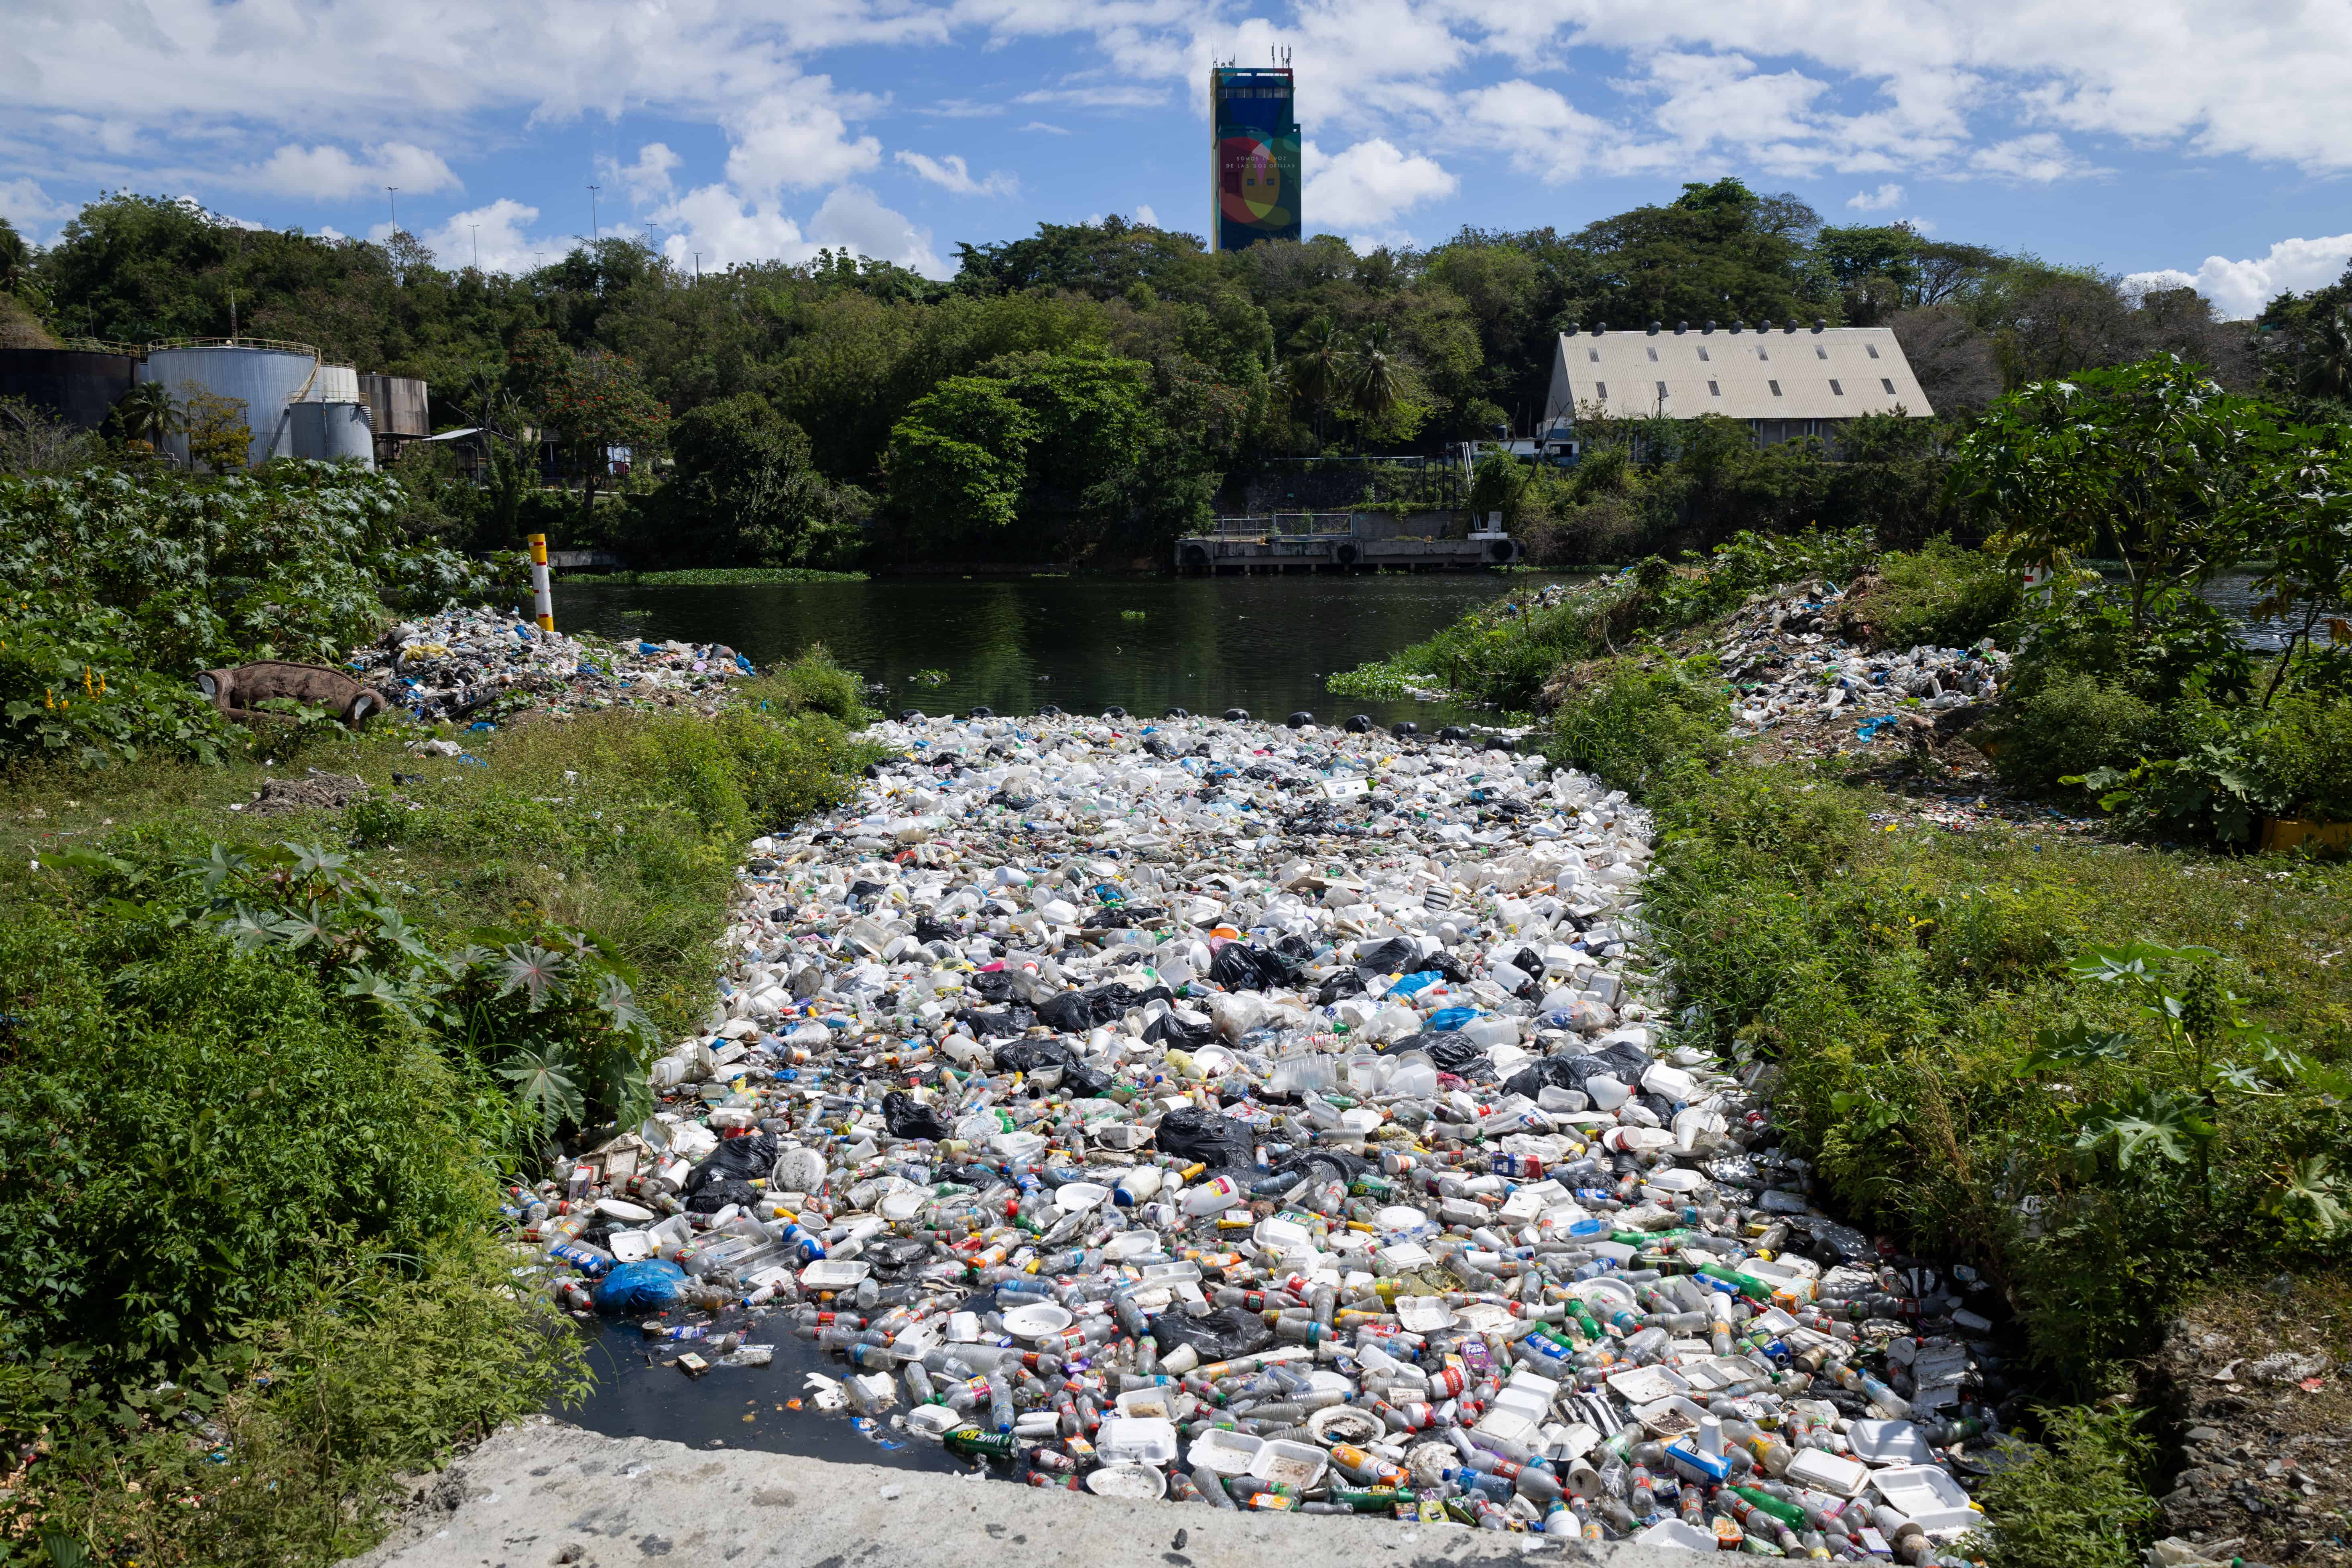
x,y
1283,1119
464,665
1787,663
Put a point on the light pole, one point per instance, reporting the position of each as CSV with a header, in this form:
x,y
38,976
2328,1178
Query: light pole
x,y
391,194
594,233
478,245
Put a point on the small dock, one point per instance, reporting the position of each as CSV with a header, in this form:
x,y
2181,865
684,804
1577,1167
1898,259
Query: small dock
x,y
1343,541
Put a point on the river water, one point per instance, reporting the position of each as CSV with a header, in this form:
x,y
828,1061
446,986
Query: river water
x,y
1083,644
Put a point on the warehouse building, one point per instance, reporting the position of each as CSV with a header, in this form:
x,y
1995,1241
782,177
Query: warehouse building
x,y
1785,382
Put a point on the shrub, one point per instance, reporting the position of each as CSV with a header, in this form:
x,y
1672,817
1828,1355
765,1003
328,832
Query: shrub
x,y
1630,721
2073,724
1940,594
2078,1503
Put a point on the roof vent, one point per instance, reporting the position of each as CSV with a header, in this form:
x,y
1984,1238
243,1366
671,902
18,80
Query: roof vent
x,y
1653,329
1709,327
1738,326
1570,329
1819,323
1681,326
1765,325
1599,327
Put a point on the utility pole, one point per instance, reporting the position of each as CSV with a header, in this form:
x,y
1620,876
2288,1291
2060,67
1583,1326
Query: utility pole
x,y
698,267
478,245
391,194
594,233
232,314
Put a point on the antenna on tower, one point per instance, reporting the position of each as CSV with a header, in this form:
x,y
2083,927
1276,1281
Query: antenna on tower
x,y
1286,57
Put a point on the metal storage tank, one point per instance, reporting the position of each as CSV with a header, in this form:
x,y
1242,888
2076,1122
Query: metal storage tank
x,y
334,384
77,387
398,403
268,377
332,432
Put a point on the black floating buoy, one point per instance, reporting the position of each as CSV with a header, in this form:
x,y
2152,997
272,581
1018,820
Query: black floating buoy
x,y
982,713
1361,724
911,715
1300,720
1177,713
1237,715
1049,711
1405,727
1114,712
1453,734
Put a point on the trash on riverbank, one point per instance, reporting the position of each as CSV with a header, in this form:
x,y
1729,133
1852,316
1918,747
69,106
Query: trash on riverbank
x,y
1283,1119
478,663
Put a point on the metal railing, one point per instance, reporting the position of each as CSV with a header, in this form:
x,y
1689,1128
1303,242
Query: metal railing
x,y
1284,525
281,344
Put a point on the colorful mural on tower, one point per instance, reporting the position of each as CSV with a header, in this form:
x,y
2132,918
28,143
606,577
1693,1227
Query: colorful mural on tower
x,y
1255,174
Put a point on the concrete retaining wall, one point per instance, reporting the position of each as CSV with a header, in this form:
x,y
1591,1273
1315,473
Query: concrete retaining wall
x,y
544,1493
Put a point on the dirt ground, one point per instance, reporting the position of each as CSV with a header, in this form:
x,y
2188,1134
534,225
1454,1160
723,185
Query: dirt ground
x,y
2256,1380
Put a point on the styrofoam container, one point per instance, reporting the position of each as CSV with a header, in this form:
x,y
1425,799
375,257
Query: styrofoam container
x,y
1882,1442
1345,1424
1037,1319
1140,1483
1281,1235
624,1211
935,1420
1281,1462
834,1273
1828,1472
1076,1197
1157,1403
1136,1440
901,1206
1679,1534
630,1246
1227,1452
1926,1496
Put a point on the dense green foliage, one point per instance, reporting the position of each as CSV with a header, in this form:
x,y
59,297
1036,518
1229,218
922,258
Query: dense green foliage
x,y
120,585
2082,1501
257,1095
1280,352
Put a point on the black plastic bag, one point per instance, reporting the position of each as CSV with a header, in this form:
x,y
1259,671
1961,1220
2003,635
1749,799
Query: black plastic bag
x,y
998,1022
927,929
992,985
725,1175
1220,1142
907,1117
1217,1336
1450,1052
1398,954
1066,1013
1346,982
1042,1056
1173,1032
1240,967
1322,1165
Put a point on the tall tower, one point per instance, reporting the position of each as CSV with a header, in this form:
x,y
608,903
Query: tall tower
x,y
1254,182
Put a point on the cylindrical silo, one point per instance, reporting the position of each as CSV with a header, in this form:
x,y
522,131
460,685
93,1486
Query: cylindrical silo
x,y
266,380
333,432
334,384
77,387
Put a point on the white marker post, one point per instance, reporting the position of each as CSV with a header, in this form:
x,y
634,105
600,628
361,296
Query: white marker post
x,y
542,598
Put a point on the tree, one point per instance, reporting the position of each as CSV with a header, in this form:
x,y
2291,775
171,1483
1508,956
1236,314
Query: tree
x,y
218,436
743,493
960,458
598,403
2148,460
1320,372
2299,506
1373,381
145,415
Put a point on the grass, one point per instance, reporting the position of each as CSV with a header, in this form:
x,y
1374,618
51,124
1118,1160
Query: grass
x,y
222,1171
712,577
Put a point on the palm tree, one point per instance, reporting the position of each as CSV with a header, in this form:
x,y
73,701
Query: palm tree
x,y
2327,373
1372,386
1320,373
148,413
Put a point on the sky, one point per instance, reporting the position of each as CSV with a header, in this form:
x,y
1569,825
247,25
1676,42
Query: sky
x,y
2200,141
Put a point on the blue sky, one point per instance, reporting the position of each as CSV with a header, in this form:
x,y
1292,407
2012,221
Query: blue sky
x,y
2184,140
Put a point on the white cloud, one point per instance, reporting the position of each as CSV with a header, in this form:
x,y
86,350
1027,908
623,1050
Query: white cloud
x,y
1369,183
2039,158
329,174
723,229
500,234
1886,197
647,182
952,173
28,207
1049,130
1097,97
797,139
853,218
1145,215
2241,289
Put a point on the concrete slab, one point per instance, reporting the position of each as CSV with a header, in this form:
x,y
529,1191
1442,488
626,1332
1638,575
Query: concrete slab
x,y
543,1493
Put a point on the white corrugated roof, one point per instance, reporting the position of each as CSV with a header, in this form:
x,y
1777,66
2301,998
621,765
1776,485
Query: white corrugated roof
x,y
1831,372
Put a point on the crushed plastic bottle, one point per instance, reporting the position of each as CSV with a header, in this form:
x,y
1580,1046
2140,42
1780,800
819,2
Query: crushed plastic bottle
x,y
1278,1118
